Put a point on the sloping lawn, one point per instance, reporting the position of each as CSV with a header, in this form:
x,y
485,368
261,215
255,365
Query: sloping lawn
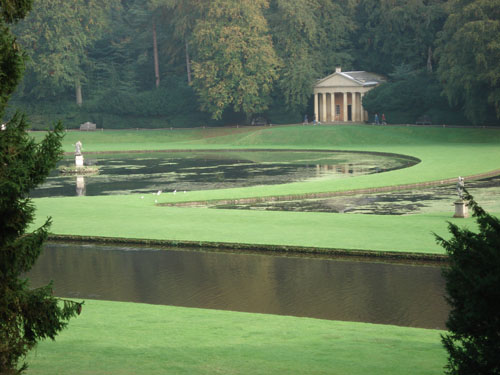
x,y
128,338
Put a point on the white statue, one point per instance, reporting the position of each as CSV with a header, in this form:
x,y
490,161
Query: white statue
x,y
78,148
460,187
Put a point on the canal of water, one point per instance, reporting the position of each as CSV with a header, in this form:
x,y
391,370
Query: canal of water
x,y
337,289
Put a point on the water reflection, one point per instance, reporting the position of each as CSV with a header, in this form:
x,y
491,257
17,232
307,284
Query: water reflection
x,y
187,171
424,200
406,295
80,185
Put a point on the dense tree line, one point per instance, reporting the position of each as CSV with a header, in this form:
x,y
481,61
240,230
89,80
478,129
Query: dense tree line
x,y
230,60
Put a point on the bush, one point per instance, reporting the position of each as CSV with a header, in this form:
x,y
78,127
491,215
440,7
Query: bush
x,y
473,287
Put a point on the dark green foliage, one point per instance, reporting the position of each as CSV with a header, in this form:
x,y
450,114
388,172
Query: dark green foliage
x,y
412,95
391,33
253,57
11,58
11,66
309,44
14,10
473,287
469,52
57,35
26,315
237,74
173,97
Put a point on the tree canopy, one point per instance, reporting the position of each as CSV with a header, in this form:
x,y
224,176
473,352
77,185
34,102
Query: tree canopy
x,y
57,35
252,57
469,52
235,63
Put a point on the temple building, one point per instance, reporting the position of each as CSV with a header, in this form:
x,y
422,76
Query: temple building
x,y
338,97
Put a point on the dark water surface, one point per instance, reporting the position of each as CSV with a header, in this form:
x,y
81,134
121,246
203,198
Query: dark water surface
x,y
423,200
384,293
202,170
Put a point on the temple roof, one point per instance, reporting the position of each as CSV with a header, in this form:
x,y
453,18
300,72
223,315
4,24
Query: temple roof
x,y
365,78
360,78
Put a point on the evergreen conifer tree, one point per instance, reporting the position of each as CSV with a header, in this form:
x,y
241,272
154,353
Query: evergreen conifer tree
x,y
473,287
26,315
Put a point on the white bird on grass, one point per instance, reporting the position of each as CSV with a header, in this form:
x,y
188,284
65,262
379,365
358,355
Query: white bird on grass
x,y
159,192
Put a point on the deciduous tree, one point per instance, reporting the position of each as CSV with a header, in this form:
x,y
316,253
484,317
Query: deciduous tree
x,y
57,35
309,44
395,32
235,64
469,52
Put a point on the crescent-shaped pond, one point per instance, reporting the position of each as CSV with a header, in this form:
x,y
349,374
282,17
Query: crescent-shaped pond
x,y
215,169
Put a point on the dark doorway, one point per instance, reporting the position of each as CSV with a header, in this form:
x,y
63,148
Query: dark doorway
x,y
349,112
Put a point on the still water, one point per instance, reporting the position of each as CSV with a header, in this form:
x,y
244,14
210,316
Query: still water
x,y
187,171
383,293
423,200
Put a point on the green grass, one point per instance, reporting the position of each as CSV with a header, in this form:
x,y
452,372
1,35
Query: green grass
x,y
127,338
131,217
445,153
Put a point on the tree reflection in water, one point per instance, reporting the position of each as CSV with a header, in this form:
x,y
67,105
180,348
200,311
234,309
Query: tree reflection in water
x,y
399,294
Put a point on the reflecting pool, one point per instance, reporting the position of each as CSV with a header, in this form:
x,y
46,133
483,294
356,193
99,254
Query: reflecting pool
x,y
384,293
187,171
424,200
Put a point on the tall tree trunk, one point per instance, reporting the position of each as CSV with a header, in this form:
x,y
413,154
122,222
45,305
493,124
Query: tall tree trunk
x,y
429,60
78,92
188,64
155,56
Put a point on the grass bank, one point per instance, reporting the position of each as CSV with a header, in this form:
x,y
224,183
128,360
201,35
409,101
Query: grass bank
x,y
444,153
127,338
128,216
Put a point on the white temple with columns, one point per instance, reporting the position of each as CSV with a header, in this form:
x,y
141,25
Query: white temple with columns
x,y
338,97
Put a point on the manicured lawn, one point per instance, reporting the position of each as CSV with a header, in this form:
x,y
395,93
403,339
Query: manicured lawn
x,y
127,338
128,216
444,153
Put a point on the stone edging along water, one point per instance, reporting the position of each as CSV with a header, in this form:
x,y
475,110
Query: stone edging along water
x,y
330,253
382,189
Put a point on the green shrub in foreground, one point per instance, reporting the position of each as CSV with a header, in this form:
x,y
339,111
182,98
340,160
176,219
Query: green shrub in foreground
x,y
473,286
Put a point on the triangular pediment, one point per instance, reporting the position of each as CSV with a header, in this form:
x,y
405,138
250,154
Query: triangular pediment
x,y
338,80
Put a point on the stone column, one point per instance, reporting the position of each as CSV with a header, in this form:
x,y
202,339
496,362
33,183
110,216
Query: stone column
x,y
361,109
354,107
332,105
345,106
323,107
316,106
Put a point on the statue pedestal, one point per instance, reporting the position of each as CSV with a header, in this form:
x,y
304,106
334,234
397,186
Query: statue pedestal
x,y
79,160
461,209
